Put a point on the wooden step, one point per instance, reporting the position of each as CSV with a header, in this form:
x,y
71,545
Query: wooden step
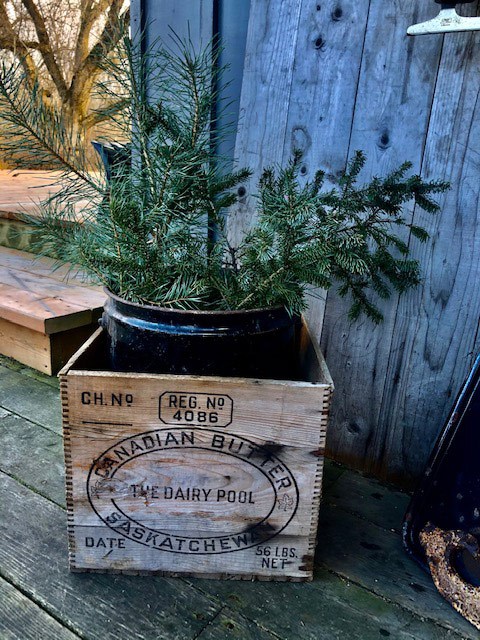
x,y
45,315
21,192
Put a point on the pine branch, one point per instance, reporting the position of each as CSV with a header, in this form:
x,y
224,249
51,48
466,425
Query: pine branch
x,y
147,234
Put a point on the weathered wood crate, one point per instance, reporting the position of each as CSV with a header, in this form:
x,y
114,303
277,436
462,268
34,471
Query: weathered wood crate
x,y
191,475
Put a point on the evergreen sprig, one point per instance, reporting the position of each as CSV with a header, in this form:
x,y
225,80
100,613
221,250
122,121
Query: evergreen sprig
x,y
305,236
146,233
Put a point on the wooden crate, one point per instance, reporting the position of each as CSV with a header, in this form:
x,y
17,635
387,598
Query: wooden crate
x,y
192,475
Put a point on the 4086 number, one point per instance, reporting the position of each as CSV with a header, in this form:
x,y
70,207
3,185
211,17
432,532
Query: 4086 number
x,y
189,415
179,408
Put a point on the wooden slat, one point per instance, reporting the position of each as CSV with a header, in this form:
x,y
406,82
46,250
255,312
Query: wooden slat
x,y
26,345
33,557
374,558
31,399
326,72
397,80
33,455
317,54
234,627
42,313
22,618
42,266
35,297
21,191
267,80
435,334
369,499
46,286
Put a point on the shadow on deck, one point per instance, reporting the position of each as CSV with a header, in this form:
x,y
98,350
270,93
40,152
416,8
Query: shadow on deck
x,y
365,586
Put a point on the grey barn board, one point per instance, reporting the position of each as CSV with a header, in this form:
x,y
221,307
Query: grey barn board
x,y
334,76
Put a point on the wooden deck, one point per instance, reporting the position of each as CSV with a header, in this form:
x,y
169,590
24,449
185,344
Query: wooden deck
x,y
45,314
365,586
21,191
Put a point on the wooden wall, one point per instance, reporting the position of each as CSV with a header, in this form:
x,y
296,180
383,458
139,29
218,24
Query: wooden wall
x,y
333,76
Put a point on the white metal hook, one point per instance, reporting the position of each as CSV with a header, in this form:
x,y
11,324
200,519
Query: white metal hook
x,y
447,21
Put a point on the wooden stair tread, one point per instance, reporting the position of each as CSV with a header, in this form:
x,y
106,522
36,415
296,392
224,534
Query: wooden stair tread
x,y
40,265
22,191
34,296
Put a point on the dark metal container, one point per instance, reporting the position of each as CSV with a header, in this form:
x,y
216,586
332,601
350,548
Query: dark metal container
x,y
258,343
448,495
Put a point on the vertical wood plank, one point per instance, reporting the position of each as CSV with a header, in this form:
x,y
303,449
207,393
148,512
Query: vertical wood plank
x,y
435,334
391,118
299,88
267,79
328,57
327,63
374,429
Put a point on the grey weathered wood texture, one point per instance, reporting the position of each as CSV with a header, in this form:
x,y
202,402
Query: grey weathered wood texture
x,y
351,596
330,78
334,76
213,473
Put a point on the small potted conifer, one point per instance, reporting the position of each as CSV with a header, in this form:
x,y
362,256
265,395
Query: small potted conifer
x,y
181,297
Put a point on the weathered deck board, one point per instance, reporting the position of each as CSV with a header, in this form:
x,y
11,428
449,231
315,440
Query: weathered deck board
x,y
25,396
234,627
48,286
22,191
364,554
369,499
21,618
325,609
34,456
33,556
374,558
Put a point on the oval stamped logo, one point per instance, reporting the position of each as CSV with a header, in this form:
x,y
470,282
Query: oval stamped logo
x,y
193,491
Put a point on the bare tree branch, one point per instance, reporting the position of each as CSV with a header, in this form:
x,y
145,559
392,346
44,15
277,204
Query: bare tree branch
x,y
86,74
90,13
10,41
68,64
45,48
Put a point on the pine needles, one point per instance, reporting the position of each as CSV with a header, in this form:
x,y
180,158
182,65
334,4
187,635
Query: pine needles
x,y
346,236
145,234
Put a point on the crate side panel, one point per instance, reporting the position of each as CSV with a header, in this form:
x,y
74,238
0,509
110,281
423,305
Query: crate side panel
x,y
192,475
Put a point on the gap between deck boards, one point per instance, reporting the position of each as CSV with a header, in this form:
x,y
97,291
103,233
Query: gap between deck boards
x,y
206,590
351,500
